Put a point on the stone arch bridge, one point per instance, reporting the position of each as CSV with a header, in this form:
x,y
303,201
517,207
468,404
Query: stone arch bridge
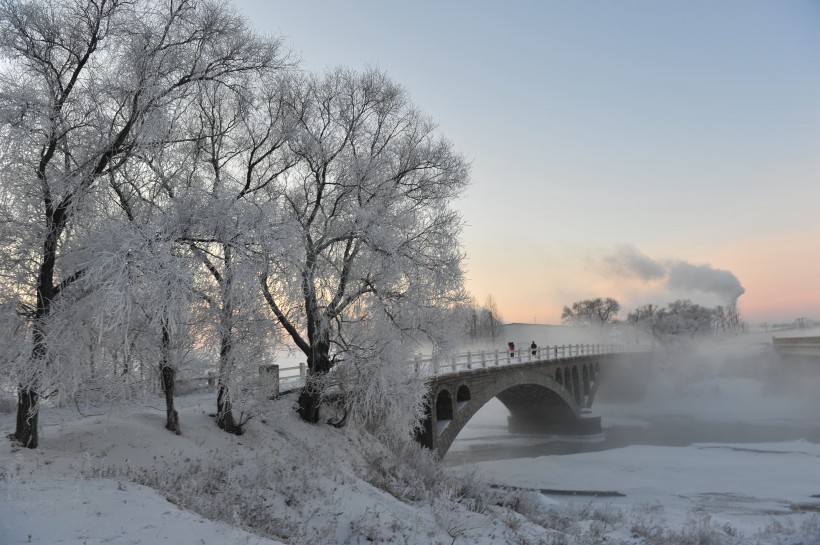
x,y
546,389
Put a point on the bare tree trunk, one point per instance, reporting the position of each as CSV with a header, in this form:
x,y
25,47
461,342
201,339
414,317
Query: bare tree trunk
x,y
224,407
168,376
310,398
224,418
319,364
28,409
27,417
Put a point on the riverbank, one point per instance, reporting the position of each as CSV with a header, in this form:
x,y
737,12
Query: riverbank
x,y
118,477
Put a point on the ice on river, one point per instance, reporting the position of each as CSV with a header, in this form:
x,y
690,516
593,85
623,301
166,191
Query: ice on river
x,y
740,484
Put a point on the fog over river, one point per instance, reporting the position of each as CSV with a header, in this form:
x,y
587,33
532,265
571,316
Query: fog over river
x,y
725,435
487,437
734,391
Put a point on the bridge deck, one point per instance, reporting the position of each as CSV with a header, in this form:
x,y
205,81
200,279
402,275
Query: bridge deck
x,y
806,347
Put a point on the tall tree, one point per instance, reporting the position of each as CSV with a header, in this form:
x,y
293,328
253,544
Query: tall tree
x,y
146,270
373,242
241,135
493,321
85,84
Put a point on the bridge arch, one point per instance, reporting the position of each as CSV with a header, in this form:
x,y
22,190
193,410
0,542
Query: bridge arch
x,y
463,394
550,393
534,398
444,405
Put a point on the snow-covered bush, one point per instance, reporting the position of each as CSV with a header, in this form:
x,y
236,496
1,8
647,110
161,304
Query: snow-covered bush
x,y
381,391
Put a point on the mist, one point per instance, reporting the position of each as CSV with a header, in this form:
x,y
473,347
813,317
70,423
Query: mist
x,y
734,378
522,335
734,390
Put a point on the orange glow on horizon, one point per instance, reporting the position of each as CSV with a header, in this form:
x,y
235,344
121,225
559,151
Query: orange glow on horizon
x,y
781,275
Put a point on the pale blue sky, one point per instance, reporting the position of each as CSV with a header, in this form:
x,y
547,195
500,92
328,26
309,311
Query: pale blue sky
x,y
689,131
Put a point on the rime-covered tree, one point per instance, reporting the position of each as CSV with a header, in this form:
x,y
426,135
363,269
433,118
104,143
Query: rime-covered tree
x,y
479,321
372,243
240,135
84,85
138,286
492,319
677,323
688,318
727,319
596,311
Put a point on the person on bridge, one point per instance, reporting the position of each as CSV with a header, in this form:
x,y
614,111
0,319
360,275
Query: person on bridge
x,y
511,348
534,348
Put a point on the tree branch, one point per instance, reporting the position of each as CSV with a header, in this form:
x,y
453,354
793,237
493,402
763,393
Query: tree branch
x,y
280,316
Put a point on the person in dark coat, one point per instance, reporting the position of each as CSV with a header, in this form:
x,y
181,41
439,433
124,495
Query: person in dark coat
x,y
511,348
534,348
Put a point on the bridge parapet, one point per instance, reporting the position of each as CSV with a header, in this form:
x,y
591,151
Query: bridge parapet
x,y
801,347
441,365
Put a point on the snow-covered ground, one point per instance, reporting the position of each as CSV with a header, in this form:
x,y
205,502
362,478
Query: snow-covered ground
x,y
119,477
73,510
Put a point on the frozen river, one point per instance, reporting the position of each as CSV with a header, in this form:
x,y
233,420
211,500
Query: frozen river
x,y
733,447
488,439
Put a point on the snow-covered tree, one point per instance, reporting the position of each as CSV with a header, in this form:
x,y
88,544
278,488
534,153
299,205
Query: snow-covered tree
x,y
596,311
678,323
240,135
83,86
727,319
479,321
492,319
685,317
372,242
138,287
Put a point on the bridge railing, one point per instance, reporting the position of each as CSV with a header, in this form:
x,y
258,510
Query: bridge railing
x,y
441,365
293,377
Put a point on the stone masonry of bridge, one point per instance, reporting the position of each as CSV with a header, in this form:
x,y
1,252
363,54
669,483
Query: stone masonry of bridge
x,y
542,397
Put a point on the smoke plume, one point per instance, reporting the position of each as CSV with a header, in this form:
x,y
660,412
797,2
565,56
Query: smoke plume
x,y
674,275
688,277
629,261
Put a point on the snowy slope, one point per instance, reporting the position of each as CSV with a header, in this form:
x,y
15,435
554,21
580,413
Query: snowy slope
x,y
119,477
